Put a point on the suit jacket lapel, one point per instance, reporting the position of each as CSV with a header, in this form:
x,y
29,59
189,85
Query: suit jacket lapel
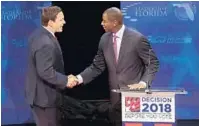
x,y
112,54
57,45
123,47
54,39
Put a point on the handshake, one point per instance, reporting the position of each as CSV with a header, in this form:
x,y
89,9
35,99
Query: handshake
x,y
72,81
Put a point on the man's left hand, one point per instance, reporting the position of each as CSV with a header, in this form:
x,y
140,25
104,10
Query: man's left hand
x,y
137,86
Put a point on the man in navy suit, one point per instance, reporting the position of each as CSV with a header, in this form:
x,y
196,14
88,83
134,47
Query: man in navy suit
x,y
45,73
127,54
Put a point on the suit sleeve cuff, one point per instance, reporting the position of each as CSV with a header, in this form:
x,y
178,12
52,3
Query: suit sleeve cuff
x,y
142,82
80,79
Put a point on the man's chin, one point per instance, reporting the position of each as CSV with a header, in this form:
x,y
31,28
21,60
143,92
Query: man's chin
x,y
60,30
105,30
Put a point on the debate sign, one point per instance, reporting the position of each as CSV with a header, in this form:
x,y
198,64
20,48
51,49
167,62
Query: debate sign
x,y
141,107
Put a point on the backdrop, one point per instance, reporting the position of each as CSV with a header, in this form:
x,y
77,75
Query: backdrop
x,y
18,20
172,28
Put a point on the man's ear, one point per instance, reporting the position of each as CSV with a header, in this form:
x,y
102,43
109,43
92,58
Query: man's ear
x,y
50,23
115,23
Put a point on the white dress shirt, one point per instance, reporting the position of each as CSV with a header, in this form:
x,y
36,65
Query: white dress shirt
x,y
119,35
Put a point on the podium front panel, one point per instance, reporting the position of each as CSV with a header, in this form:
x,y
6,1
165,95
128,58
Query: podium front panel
x,y
141,109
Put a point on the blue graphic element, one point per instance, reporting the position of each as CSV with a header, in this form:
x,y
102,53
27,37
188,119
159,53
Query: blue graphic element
x,y
18,20
185,10
171,29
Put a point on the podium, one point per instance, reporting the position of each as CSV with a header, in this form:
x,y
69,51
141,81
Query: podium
x,y
149,107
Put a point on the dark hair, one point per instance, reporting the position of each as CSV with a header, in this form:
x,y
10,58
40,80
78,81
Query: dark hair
x,y
49,13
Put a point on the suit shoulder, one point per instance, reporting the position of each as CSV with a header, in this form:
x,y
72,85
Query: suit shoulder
x,y
104,39
38,40
39,35
134,32
106,35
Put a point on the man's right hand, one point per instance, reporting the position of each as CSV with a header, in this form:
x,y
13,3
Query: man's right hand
x,y
72,81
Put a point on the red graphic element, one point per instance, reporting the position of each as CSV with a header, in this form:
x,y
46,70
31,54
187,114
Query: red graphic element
x,y
133,103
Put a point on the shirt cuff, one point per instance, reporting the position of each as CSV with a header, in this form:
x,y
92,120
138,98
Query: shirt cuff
x,y
80,79
144,83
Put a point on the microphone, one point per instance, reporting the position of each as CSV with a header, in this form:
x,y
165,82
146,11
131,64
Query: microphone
x,y
147,90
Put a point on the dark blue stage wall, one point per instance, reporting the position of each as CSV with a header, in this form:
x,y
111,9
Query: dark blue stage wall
x,y
173,31
18,20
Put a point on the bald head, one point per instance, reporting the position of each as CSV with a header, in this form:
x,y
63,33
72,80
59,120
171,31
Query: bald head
x,y
114,14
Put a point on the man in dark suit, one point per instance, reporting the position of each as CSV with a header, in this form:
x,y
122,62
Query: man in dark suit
x,y
45,73
126,53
